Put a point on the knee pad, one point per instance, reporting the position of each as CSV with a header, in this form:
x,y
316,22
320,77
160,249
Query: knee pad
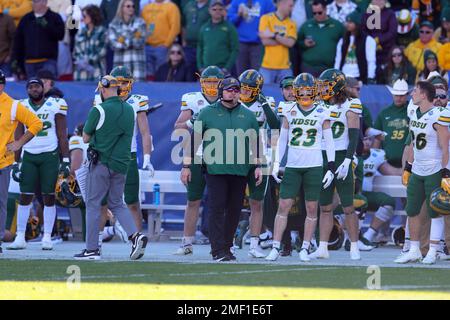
x,y
385,213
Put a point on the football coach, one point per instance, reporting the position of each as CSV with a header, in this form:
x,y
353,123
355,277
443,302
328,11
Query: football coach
x,y
229,132
109,130
11,113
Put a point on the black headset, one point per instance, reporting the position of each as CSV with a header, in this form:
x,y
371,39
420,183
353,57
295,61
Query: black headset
x,y
106,83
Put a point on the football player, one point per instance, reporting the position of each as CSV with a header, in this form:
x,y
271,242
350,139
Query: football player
x,y
425,169
345,114
252,97
305,124
191,104
140,107
41,161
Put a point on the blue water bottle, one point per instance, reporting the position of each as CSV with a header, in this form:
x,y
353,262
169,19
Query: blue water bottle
x,y
156,194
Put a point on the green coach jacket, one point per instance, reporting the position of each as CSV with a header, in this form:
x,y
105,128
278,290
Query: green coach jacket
x,y
230,138
111,126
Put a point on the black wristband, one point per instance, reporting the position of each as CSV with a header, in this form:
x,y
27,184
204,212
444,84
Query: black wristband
x,y
186,166
408,166
445,173
331,166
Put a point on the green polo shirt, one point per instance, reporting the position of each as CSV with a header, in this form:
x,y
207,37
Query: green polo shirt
x,y
395,122
192,20
326,36
218,45
224,150
111,130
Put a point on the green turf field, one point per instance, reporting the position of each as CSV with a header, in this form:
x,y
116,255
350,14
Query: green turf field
x,y
44,279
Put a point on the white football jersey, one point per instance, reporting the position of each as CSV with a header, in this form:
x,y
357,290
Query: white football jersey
x,y
371,165
46,140
427,152
305,134
339,122
76,142
194,101
256,108
139,104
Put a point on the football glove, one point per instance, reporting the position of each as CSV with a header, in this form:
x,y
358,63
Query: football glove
x,y
262,99
342,170
445,182
64,168
275,171
406,173
16,173
147,165
329,175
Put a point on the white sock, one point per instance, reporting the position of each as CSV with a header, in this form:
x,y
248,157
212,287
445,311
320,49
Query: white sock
x,y
414,245
107,232
437,227
354,246
100,239
305,245
23,213
276,245
407,235
47,237
323,246
370,234
254,241
49,218
187,241
434,246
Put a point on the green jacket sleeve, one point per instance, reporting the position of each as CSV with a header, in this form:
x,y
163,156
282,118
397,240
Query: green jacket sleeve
x,y
92,121
234,47
200,50
378,124
301,38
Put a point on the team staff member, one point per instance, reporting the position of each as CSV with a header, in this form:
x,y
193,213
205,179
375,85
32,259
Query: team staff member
x,y
109,131
12,113
227,169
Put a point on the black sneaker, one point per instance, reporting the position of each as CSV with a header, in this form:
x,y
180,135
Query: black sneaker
x,y
222,257
232,256
286,249
367,242
138,244
88,255
347,245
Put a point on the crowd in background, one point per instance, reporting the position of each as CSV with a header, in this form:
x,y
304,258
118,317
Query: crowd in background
x,y
165,40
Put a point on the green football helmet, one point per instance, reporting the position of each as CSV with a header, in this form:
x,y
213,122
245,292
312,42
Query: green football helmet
x,y
305,89
251,85
440,202
330,83
209,79
125,78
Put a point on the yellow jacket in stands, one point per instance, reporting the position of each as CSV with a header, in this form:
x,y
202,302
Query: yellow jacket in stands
x,y
163,23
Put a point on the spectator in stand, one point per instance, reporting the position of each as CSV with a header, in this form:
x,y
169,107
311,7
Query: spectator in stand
x,y
127,34
36,40
163,26
83,3
301,12
442,34
48,79
399,67
175,69
245,15
195,14
340,9
278,33
90,47
444,59
218,44
430,60
414,52
407,30
384,36
362,5
427,10
16,9
7,30
398,5
318,39
64,63
356,52
395,122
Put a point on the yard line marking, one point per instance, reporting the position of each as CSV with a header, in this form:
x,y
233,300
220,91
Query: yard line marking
x,y
244,272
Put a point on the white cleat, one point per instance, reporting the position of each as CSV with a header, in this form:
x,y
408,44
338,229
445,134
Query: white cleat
x,y
355,255
118,230
320,254
47,244
18,244
443,256
184,250
304,255
256,253
410,256
364,247
273,255
430,258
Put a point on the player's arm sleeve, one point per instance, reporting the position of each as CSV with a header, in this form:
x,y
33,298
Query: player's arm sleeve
x,y
92,121
444,118
28,119
353,133
272,120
